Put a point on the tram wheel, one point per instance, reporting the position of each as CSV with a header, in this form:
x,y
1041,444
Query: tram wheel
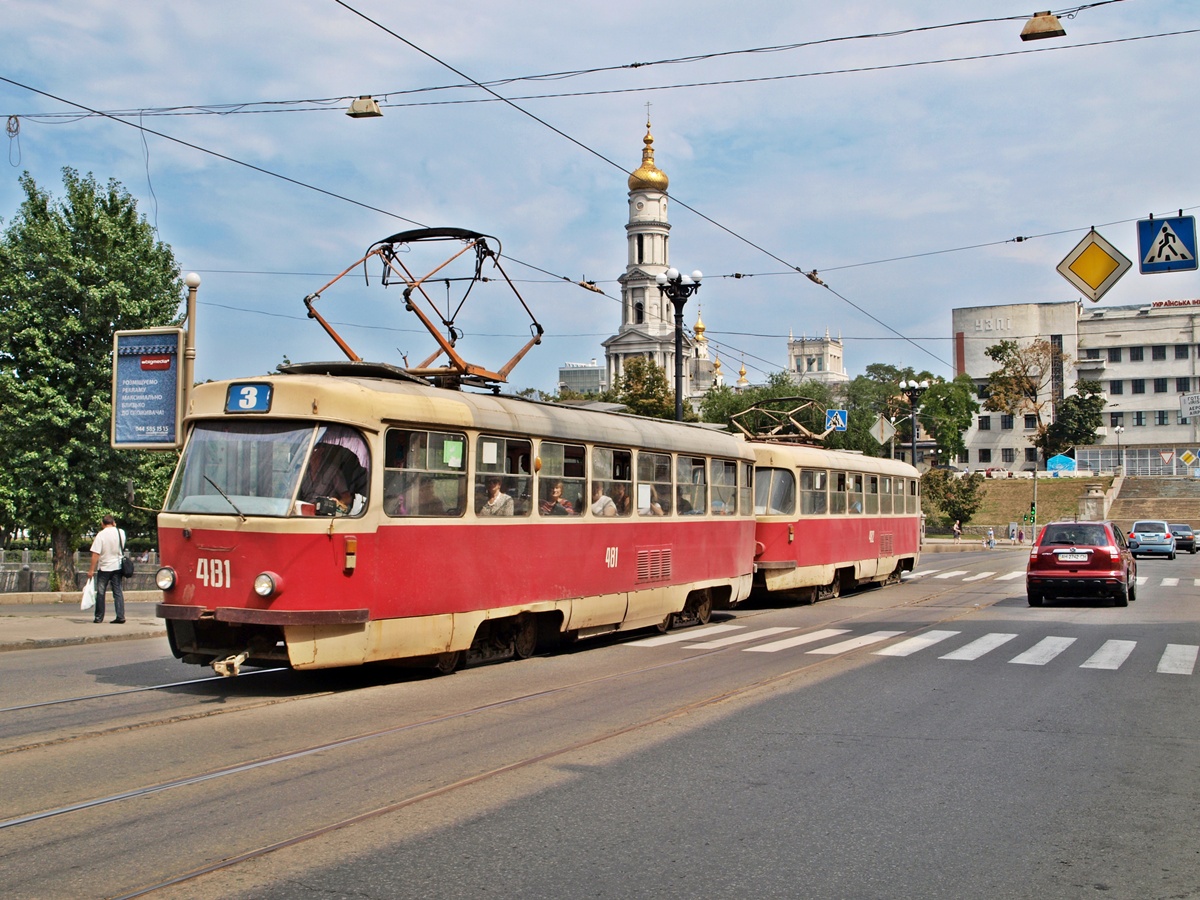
x,y
525,637
834,589
665,625
703,607
446,663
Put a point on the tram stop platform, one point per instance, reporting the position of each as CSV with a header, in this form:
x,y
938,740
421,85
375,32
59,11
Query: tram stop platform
x,y
37,621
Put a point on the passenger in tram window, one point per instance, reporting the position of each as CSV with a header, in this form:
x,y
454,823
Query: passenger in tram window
x,y
428,501
654,506
554,504
602,504
497,503
620,498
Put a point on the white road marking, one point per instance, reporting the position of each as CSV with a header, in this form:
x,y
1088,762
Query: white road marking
x,y
1142,579
1170,582
1110,655
796,641
980,646
677,637
916,644
952,574
740,638
978,577
920,574
854,643
1178,659
1043,651
1020,573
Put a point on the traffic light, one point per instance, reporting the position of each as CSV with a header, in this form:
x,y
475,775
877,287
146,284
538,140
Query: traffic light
x,y
1032,511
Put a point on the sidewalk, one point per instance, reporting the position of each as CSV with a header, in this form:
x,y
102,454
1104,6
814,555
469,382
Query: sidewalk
x,y
947,545
35,621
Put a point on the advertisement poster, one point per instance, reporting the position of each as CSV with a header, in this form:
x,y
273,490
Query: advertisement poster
x,y
147,388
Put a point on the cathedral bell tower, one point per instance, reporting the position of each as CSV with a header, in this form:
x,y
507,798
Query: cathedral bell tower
x,y
647,326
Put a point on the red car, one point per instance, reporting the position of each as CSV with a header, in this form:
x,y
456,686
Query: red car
x,y
1082,559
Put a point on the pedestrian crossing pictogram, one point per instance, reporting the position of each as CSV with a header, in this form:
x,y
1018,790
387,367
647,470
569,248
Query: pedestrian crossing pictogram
x,y
1167,245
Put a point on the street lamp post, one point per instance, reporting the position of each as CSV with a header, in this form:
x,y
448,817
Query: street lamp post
x,y
1118,431
677,288
913,391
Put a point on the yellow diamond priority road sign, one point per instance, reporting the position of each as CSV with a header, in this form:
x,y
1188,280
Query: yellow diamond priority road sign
x,y
1094,266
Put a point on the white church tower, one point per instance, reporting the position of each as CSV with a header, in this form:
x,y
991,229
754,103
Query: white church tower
x,y
647,317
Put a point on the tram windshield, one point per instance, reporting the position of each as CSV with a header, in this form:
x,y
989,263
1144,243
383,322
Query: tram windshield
x,y
262,468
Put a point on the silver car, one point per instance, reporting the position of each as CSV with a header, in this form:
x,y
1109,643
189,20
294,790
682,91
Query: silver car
x,y
1153,538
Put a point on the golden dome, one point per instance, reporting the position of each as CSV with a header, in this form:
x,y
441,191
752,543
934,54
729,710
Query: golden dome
x,y
699,329
648,177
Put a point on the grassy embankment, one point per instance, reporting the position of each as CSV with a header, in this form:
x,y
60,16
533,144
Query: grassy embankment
x,y
1007,499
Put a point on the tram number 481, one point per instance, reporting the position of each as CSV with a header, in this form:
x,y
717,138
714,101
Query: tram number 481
x,y
213,573
610,557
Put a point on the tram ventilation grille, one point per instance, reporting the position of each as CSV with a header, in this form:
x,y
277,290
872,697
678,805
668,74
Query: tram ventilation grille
x,y
654,565
885,545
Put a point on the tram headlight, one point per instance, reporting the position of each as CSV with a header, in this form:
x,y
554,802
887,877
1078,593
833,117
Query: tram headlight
x,y
164,578
268,584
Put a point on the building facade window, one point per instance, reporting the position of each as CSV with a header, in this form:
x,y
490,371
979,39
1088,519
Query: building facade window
x,y
1158,352
1030,422
1114,354
1183,420
1136,354
1160,385
1183,385
1092,353
985,456
1006,422
1116,387
1139,418
964,456
1181,351
1138,385
1162,417
1115,419
985,423
1009,455
1031,454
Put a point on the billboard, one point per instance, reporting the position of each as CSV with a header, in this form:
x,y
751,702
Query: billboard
x,y
147,390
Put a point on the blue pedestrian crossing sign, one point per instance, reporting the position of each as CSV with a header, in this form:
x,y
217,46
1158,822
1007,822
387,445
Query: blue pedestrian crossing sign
x,y
835,420
1167,245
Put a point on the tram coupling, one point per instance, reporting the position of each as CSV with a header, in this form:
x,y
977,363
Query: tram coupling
x,y
230,666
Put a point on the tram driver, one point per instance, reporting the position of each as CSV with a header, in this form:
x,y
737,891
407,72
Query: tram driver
x,y
333,477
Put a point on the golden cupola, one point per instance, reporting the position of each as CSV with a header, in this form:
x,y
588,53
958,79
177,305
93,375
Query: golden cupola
x,y
648,176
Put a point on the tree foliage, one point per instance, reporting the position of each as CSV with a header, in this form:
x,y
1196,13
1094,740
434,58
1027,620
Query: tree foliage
x,y
1023,384
1076,419
955,497
642,388
71,273
946,412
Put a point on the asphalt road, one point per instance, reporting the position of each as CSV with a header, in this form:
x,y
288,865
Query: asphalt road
x,y
939,738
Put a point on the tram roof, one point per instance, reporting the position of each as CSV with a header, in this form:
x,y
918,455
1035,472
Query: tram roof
x,y
371,400
781,454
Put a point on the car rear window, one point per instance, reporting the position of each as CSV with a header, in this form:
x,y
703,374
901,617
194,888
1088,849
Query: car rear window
x,y
1075,534
1149,527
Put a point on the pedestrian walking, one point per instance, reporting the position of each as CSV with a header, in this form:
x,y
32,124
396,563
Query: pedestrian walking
x,y
991,539
1020,535
107,551
957,531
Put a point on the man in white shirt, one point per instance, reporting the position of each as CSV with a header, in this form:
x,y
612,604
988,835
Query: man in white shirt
x,y
107,550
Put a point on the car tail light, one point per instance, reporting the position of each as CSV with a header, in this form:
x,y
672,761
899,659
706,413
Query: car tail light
x,y
1114,553
1167,536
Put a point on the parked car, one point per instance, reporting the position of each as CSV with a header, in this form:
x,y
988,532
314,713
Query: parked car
x,y
1082,559
1185,539
1154,538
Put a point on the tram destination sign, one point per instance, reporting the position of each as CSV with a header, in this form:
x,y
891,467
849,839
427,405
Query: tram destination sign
x,y
147,389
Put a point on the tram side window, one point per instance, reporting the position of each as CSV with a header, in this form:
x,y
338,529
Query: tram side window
x,y
724,487
885,494
692,489
503,476
872,495
854,492
425,473
654,484
914,506
898,495
837,494
612,473
813,483
774,492
562,479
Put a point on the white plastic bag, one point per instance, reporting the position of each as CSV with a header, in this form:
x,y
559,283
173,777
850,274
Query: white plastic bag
x,y
89,594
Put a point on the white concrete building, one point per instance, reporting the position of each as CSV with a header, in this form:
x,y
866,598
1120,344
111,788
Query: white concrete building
x,y
817,359
1144,357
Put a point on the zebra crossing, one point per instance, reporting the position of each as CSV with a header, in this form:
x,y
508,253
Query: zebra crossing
x,y
946,575
1176,659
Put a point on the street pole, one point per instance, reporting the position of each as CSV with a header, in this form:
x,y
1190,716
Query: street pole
x,y
677,288
189,341
913,390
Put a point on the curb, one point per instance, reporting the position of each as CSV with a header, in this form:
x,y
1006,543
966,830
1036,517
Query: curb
x,y
48,643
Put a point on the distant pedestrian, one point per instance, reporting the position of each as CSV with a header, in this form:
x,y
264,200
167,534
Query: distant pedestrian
x,y
957,531
107,550
1020,535
991,539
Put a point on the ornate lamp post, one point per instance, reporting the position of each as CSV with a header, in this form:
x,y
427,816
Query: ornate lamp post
x,y
913,391
1118,431
677,288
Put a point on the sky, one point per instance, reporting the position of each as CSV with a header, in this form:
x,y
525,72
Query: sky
x,y
899,149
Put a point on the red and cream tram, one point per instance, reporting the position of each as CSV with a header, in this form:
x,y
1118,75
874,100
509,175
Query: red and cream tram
x,y
829,521
344,513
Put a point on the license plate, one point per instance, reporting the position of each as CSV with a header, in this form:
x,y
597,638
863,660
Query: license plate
x,y
1072,557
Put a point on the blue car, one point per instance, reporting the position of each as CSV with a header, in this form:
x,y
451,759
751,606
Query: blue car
x,y
1153,538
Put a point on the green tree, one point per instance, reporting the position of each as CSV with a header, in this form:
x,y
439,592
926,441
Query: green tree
x,y
955,497
1076,419
72,273
642,388
1024,382
946,412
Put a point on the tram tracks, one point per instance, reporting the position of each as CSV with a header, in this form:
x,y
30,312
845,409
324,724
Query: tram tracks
x,y
239,857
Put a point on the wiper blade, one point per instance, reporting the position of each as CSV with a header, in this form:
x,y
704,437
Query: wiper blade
x,y
241,514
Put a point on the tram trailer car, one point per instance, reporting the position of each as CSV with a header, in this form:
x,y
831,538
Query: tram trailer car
x,y
338,514
829,521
